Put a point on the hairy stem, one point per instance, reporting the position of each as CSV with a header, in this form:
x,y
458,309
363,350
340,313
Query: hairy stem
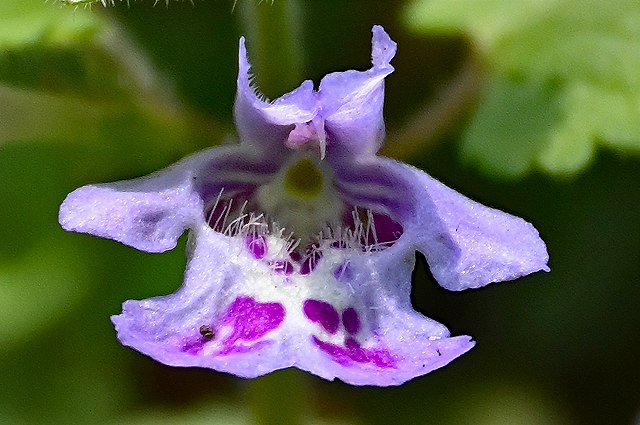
x,y
437,117
280,398
274,37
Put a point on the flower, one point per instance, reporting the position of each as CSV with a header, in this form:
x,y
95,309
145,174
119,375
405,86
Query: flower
x,y
302,241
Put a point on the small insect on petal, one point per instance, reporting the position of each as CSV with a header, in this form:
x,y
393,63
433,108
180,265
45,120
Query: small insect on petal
x,y
207,333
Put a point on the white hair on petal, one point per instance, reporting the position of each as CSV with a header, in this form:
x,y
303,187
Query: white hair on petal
x,y
233,221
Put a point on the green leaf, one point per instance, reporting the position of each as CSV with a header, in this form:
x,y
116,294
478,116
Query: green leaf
x,y
511,127
582,56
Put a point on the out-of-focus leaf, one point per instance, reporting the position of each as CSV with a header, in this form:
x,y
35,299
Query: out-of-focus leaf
x,y
105,3
37,290
520,404
582,56
217,414
65,74
68,371
31,115
511,126
34,22
33,184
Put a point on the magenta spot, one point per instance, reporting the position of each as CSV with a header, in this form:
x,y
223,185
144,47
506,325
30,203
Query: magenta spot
x,y
338,353
192,346
351,321
380,358
251,320
356,352
353,352
344,272
241,349
295,256
257,246
282,267
323,313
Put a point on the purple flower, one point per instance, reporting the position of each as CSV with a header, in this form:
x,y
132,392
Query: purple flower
x,y
302,241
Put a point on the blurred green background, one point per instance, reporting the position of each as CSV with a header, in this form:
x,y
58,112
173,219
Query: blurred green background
x,y
529,106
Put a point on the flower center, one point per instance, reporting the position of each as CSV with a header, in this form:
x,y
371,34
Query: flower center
x,y
303,204
301,199
304,180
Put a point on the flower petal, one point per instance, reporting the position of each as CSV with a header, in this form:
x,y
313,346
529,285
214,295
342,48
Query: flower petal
x,y
467,244
233,314
352,101
151,212
253,301
381,339
267,124
209,322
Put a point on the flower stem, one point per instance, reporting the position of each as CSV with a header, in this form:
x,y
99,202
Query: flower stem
x,y
436,118
274,38
281,398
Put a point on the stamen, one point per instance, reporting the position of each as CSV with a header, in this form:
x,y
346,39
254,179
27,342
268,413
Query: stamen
x,y
215,206
371,226
363,230
292,244
226,214
282,267
311,260
236,224
255,226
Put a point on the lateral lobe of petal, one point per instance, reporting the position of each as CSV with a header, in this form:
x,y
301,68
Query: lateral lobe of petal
x,y
250,320
149,213
242,334
467,244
